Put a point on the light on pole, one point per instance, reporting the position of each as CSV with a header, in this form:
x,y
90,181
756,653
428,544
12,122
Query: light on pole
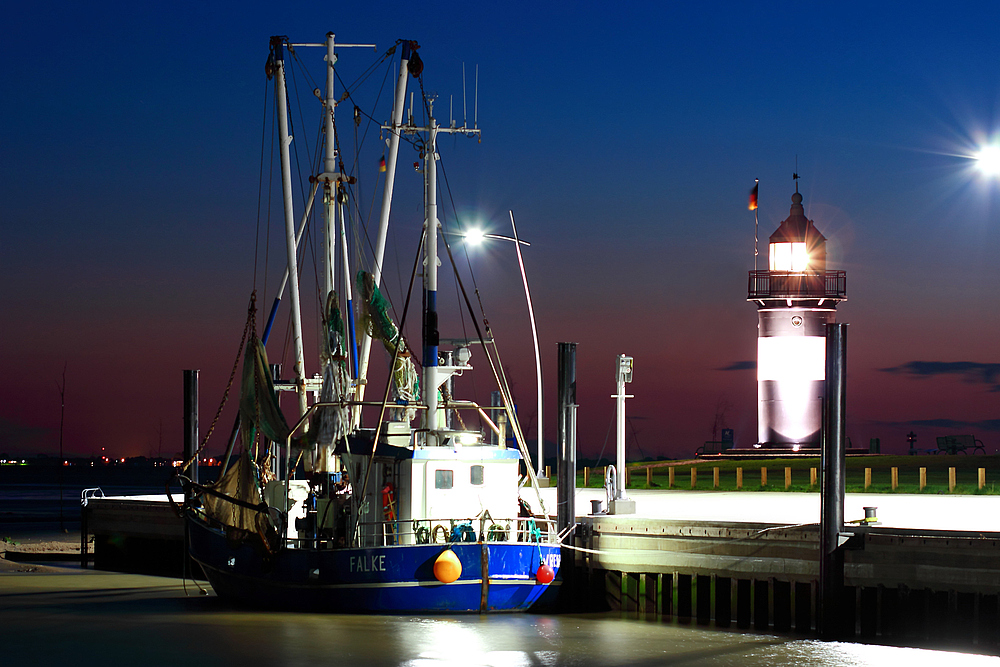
x,y
477,236
988,160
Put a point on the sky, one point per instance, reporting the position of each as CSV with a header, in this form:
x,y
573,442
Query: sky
x,y
624,137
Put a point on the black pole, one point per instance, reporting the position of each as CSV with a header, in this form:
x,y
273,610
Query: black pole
x,y
62,461
191,421
566,437
831,565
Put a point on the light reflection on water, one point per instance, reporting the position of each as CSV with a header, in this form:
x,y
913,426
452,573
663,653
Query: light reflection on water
x,y
99,618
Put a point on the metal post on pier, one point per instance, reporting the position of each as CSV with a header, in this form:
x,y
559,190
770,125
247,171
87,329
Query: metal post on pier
x,y
191,421
832,537
621,504
566,437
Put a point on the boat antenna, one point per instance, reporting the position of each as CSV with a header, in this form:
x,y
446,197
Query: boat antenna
x,y
795,174
465,113
475,120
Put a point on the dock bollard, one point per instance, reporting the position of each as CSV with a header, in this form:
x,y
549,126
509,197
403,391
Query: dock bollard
x,y
595,506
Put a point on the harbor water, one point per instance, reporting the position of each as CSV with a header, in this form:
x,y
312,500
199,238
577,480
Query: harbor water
x,y
97,618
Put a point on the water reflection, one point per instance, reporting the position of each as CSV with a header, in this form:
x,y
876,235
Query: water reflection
x,y
97,618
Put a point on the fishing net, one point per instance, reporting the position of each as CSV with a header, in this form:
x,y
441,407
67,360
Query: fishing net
x,y
330,423
259,411
376,321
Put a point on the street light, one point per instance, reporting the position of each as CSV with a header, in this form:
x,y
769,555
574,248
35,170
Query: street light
x,y
476,237
988,159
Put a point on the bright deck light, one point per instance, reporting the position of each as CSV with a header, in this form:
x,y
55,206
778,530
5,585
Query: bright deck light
x,y
988,158
474,236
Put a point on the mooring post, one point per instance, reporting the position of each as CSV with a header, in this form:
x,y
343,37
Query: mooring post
x,y
831,566
191,421
566,437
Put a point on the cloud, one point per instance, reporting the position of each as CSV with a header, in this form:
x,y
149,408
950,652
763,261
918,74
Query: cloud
x,y
971,371
739,366
991,425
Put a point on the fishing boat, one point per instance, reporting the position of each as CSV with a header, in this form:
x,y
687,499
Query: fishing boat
x,y
420,511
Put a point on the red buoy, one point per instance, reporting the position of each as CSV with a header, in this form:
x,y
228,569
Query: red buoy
x,y
545,574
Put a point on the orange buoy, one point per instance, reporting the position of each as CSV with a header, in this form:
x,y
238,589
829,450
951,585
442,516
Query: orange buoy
x,y
545,574
447,567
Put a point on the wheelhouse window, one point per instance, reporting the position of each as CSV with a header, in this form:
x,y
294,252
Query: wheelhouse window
x,y
477,475
444,479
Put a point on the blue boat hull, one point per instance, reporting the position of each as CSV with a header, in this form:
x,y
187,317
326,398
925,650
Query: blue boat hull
x,y
387,579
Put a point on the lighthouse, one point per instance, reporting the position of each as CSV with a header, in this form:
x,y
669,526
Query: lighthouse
x,y
796,297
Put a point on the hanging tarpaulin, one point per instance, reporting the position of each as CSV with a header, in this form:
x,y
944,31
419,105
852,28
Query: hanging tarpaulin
x,y
375,319
330,422
259,411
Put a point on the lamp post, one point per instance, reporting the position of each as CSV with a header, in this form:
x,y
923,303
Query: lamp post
x,y
477,236
988,160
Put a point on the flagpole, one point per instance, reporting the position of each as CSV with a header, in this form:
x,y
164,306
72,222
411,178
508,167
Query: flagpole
x,y
756,184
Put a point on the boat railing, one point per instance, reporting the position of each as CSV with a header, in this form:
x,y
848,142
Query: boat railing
x,y
443,531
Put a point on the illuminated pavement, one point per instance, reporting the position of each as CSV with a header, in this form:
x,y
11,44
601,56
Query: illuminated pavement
x,y
936,512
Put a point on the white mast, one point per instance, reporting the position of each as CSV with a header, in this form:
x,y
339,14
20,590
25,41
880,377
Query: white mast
x,y
430,281
277,50
329,173
383,224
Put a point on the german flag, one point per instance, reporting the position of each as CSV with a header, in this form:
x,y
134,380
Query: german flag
x,y
381,167
753,198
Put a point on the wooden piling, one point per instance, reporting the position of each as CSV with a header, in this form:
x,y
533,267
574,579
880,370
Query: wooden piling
x,y
715,477
763,476
868,478
788,478
894,472
951,480
628,477
670,477
982,478
739,479
649,477
586,476
923,478
694,476
812,476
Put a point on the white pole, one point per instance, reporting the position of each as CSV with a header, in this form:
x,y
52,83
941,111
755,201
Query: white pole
x,y
620,403
538,356
383,223
329,168
286,184
430,284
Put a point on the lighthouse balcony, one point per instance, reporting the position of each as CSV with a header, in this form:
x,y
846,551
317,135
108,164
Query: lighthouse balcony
x,y
830,285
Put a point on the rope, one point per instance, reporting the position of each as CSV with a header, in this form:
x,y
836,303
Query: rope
x,y
251,314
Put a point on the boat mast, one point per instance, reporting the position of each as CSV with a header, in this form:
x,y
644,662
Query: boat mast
x,y
329,175
430,329
281,95
383,223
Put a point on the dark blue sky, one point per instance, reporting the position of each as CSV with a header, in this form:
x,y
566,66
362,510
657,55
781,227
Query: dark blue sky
x,y
624,136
